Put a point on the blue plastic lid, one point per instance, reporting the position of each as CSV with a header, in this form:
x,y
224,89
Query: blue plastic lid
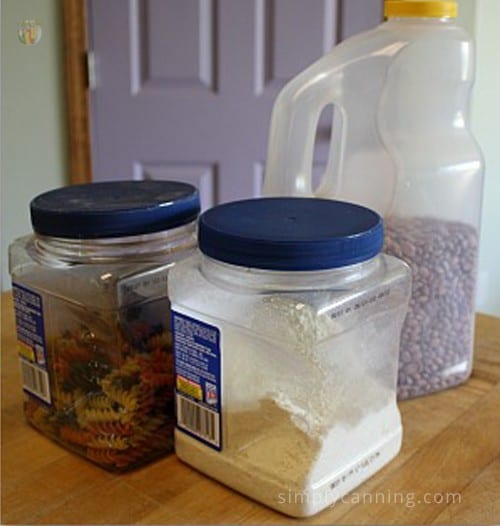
x,y
290,233
114,209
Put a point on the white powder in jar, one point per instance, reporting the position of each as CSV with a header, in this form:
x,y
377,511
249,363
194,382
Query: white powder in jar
x,y
298,410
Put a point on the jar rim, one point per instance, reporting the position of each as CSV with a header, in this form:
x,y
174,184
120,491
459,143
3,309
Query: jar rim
x,y
141,247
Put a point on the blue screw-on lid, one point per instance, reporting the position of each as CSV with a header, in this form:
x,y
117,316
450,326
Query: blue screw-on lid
x,y
290,233
114,209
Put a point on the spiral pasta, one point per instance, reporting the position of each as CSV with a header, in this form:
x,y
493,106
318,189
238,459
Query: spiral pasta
x,y
127,399
112,400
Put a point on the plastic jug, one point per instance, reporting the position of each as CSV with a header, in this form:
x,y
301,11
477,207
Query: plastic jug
x,y
401,144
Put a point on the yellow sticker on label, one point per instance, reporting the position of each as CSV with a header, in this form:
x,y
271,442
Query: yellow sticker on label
x,y
25,351
188,387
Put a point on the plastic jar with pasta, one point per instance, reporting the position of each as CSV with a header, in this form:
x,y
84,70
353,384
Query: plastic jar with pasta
x,y
93,315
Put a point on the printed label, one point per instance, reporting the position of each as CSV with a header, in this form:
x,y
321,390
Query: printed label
x,y
357,468
357,305
143,286
197,360
32,349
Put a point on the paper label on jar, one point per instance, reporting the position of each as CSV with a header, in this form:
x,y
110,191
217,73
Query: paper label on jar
x,y
30,329
197,361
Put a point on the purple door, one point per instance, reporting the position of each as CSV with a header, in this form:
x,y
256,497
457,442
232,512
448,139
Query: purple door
x,y
184,88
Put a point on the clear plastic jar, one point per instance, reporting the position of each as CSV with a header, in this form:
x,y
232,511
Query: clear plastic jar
x,y
401,144
286,331
92,315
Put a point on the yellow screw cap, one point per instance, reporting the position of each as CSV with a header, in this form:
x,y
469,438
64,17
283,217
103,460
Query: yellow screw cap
x,y
420,8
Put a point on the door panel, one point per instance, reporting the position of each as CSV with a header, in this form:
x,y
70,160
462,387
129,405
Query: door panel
x,y
280,27
174,44
185,88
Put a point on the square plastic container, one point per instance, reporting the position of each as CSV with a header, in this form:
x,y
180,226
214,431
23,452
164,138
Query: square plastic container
x,y
286,332
93,316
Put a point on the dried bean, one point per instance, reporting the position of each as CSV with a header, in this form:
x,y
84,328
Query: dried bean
x,y
437,333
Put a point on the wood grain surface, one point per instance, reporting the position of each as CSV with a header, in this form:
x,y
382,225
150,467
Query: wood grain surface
x,y
448,471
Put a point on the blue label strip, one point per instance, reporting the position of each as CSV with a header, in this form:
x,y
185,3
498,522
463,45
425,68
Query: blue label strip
x,y
198,387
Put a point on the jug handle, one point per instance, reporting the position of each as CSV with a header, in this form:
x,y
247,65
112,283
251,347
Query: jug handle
x,y
331,178
292,135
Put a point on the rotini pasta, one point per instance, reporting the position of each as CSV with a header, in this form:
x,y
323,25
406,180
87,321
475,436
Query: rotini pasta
x,y
108,442
99,401
74,435
64,400
110,428
112,400
127,399
102,415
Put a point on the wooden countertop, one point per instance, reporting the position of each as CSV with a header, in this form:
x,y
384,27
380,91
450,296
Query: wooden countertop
x,y
448,471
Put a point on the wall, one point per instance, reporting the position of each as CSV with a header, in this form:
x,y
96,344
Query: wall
x,y
33,119
482,19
